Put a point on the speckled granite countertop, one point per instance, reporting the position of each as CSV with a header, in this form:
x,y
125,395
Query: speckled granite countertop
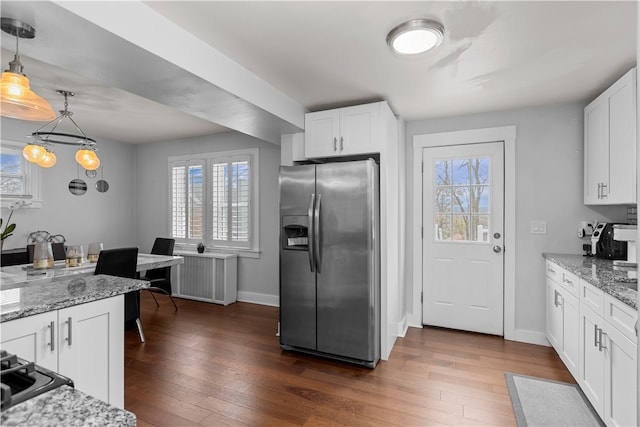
x,y
43,296
600,273
65,406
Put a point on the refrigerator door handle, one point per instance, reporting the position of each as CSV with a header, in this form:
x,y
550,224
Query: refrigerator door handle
x,y
317,232
310,235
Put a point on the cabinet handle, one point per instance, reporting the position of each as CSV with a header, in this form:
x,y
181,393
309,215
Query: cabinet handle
x,y
600,334
52,335
555,298
68,339
551,270
604,190
599,191
595,336
570,282
341,143
335,144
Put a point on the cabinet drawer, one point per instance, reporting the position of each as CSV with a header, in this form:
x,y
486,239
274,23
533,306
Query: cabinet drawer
x,y
621,316
553,272
592,297
570,282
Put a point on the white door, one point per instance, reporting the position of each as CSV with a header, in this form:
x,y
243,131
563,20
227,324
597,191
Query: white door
x,y
463,223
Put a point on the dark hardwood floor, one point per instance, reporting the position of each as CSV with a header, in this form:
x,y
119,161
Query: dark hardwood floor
x,y
211,365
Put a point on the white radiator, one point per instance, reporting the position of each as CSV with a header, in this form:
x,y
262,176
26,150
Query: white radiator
x,y
209,277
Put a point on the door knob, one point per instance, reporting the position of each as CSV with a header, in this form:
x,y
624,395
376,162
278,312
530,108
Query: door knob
x,y
497,249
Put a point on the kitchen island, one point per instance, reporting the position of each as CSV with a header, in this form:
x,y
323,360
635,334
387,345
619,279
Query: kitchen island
x,y
72,326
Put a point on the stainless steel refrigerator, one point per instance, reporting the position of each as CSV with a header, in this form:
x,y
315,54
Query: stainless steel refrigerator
x,y
330,260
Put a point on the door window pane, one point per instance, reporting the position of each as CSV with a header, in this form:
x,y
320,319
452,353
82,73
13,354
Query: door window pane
x,y
462,203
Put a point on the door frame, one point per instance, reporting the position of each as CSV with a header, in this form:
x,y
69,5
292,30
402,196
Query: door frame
x,y
507,134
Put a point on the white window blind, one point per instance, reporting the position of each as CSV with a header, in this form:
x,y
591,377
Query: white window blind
x,y
187,200
213,204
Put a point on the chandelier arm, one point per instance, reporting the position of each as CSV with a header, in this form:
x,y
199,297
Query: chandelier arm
x,y
57,119
77,127
90,142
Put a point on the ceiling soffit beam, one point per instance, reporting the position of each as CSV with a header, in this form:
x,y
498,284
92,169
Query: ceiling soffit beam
x,y
160,61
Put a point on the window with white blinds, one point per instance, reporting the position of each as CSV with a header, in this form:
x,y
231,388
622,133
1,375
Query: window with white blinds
x,y
211,199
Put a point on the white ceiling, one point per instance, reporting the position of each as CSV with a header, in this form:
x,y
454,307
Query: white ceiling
x,y
496,55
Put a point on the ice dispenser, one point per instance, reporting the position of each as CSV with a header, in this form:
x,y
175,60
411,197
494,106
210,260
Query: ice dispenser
x,y
295,232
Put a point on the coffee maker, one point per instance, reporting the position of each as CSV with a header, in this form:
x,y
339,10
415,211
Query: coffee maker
x,y
604,246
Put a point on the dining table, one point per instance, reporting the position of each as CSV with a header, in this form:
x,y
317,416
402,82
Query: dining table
x,y
16,276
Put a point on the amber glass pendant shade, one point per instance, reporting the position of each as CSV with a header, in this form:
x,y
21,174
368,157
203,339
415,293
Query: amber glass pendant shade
x,y
18,101
88,159
34,153
48,160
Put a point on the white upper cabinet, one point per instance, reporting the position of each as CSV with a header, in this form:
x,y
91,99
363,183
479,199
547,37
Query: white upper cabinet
x,y
610,145
346,131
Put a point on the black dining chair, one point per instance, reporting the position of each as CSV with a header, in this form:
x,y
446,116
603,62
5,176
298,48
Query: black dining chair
x,y
122,262
160,278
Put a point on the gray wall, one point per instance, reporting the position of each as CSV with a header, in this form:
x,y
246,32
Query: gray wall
x,y
549,186
257,278
94,216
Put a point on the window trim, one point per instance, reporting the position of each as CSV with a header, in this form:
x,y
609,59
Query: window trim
x,y
207,159
33,181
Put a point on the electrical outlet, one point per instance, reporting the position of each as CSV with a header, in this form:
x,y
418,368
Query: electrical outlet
x,y
538,227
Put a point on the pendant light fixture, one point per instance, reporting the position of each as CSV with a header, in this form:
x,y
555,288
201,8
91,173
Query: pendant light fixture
x,y
18,101
40,150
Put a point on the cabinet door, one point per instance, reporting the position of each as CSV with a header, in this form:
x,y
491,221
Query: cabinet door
x,y
32,338
321,135
91,348
622,141
359,129
554,316
621,392
596,150
591,366
570,332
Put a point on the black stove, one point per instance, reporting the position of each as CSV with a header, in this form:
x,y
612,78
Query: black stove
x,y
22,380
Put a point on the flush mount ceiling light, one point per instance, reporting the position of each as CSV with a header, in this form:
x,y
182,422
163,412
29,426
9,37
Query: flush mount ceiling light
x,y
40,150
18,101
415,37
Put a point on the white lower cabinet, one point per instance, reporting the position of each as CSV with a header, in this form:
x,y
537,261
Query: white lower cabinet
x,y
591,377
594,335
607,366
33,338
84,342
620,367
563,321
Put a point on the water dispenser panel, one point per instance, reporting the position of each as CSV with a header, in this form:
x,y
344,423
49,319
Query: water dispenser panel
x,y
295,232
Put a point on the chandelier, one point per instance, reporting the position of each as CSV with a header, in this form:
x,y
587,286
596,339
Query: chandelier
x,y
40,150
17,100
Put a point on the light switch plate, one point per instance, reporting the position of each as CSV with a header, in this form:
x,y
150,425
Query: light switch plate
x,y
538,227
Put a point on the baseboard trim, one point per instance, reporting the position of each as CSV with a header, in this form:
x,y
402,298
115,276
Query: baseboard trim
x,y
531,337
403,326
257,298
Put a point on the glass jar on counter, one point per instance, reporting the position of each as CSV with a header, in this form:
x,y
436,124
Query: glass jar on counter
x,y
42,256
75,256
